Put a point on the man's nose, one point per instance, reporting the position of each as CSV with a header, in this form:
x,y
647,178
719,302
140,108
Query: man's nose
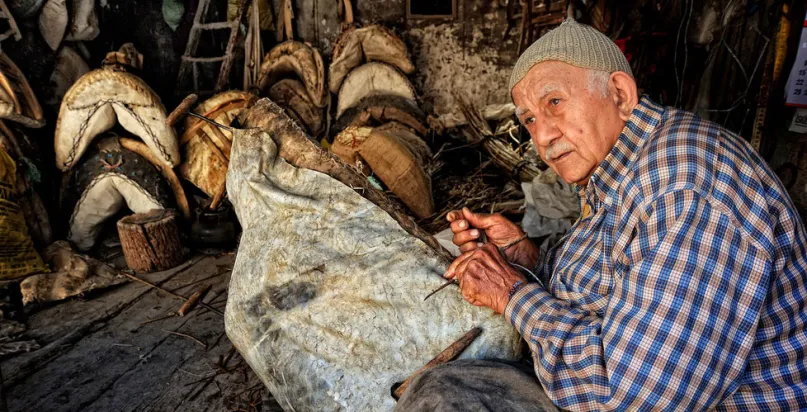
x,y
545,132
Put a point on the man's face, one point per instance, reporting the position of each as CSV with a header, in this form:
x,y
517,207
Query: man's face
x,y
572,124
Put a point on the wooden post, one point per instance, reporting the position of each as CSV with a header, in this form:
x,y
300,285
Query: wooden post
x,y
150,240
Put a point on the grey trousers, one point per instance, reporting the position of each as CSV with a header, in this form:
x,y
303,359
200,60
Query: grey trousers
x,y
476,385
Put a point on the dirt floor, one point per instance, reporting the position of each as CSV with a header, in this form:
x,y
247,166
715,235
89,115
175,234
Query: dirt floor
x,y
121,349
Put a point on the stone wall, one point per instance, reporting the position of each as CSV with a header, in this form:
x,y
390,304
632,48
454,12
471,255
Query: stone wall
x,y
464,55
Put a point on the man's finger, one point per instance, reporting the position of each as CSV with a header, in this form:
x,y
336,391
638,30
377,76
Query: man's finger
x,y
470,246
466,236
453,215
452,268
480,220
492,251
466,294
462,268
459,225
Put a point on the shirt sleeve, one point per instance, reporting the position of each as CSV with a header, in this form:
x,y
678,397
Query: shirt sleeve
x,y
546,260
679,324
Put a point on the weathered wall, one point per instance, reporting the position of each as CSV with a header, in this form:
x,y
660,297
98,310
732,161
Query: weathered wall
x,y
466,55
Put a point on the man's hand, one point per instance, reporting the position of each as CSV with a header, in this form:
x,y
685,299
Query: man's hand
x,y
468,226
485,277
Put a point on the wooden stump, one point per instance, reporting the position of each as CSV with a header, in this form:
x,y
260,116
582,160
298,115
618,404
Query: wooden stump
x,y
150,240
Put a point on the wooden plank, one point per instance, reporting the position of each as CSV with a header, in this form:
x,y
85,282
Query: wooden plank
x,y
93,363
77,318
224,392
196,383
181,375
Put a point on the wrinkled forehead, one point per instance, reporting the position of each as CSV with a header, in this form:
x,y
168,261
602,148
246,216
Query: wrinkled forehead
x,y
536,90
547,77
544,78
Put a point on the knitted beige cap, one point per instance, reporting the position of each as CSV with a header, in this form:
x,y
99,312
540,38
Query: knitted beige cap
x,y
572,43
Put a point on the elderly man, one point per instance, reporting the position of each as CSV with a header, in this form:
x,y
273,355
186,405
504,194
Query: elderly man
x,y
682,285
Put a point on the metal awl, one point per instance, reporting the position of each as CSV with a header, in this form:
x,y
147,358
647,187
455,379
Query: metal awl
x,y
484,239
445,285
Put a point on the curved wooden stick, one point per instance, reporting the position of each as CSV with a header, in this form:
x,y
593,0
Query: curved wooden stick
x,y
15,102
181,110
31,113
168,173
348,12
448,354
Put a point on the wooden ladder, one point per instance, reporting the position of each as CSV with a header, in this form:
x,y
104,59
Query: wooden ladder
x,y
189,61
13,30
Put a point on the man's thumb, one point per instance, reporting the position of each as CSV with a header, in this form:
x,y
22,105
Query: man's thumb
x,y
478,220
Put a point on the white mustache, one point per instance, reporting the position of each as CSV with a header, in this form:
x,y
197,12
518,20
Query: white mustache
x,y
557,149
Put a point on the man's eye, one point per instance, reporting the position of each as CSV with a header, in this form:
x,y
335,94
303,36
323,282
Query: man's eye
x,y
554,102
529,120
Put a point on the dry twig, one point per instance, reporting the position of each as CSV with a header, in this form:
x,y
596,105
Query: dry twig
x,y
186,336
478,133
157,319
135,278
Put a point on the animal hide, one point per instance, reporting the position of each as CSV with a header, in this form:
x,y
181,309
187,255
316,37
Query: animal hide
x,y
372,79
371,43
290,94
73,274
108,178
99,99
396,156
17,101
325,302
69,68
53,22
293,58
84,21
383,109
206,147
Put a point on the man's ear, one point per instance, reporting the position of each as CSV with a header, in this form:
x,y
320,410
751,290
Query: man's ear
x,y
625,93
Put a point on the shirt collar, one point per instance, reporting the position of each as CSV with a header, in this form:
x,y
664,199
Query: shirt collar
x,y
606,179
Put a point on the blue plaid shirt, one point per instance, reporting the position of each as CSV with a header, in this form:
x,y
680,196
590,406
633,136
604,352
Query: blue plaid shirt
x,y
683,289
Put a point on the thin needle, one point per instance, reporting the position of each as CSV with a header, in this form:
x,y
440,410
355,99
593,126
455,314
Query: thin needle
x,y
213,122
